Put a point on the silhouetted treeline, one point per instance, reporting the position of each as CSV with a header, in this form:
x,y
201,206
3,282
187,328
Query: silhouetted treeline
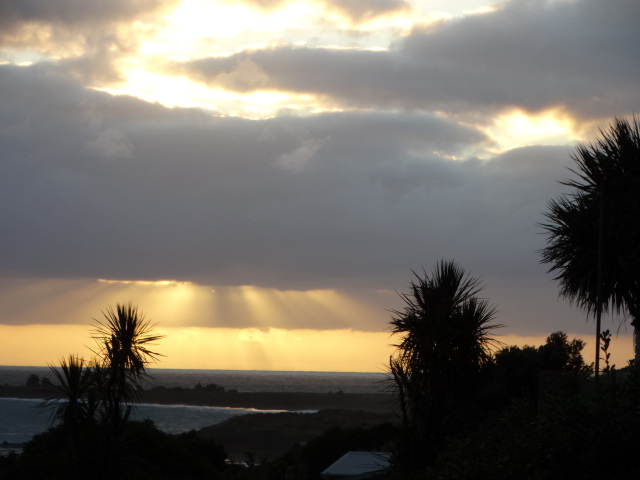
x,y
144,453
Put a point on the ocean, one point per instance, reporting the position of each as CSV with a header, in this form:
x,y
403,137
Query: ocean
x,y
20,419
240,380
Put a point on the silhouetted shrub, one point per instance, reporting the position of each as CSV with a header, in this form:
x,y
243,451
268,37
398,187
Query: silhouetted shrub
x,y
32,381
143,453
585,437
212,387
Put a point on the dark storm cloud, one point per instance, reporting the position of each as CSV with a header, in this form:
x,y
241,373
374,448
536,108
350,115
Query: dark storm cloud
x,y
100,186
579,55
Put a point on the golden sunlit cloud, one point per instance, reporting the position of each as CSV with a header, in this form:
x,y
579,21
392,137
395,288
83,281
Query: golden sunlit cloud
x,y
170,303
156,283
243,327
179,91
480,10
196,29
367,15
519,129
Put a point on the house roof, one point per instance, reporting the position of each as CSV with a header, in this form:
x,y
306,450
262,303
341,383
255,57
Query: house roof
x,y
356,464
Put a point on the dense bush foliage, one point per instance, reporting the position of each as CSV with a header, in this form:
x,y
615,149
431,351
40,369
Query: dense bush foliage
x,y
145,453
590,434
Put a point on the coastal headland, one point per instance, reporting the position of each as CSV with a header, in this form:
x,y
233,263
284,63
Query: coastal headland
x,y
288,401
266,435
270,435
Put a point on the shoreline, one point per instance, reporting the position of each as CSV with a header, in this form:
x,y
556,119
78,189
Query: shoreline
x,y
300,401
293,418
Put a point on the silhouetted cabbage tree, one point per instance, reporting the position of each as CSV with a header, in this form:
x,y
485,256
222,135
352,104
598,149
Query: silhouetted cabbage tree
x,y
445,344
93,399
123,338
593,233
69,391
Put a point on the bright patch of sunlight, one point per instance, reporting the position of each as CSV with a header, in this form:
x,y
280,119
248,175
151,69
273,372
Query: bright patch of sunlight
x,y
168,90
171,295
520,129
176,91
40,345
247,349
199,28
157,283
196,18
480,10
212,348
447,9
275,349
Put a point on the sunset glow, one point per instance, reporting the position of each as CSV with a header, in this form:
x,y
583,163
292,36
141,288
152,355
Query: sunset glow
x,y
263,178
518,129
243,349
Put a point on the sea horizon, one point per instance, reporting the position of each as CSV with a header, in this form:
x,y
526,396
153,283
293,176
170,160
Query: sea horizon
x,y
240,380
215,369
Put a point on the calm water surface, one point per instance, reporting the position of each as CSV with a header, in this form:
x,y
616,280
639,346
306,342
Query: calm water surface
x,y
20,419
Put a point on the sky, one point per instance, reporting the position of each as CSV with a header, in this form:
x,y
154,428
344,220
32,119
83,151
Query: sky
x,y
262,178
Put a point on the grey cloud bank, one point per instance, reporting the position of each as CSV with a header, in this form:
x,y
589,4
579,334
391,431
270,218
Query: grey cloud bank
x,y
176,194
94,185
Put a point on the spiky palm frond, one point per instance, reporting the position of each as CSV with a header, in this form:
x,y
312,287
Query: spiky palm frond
x,y
443,323
607,193
611,161
124,337
68,396
445,343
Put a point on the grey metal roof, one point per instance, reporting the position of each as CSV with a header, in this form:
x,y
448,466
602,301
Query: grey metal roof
x,y
356,464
